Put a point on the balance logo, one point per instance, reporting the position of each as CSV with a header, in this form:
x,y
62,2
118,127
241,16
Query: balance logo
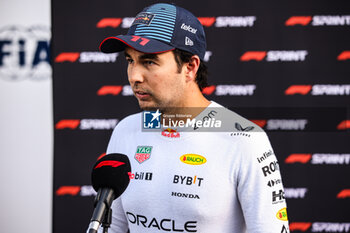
x,y
151,119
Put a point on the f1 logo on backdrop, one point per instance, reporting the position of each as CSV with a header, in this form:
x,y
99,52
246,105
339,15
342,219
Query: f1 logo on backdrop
x,y
275,56
281,124
319,89
86,124
319,20
220,21
230,90
86,57
319,158
345,55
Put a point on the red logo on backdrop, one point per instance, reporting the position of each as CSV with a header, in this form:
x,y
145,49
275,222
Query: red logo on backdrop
x,y
71,124
298,158
298,20
344,125
298,89
70,57
345,193
345,55
68,190
253,55
299,226
260,123
109,22
110,163
208,90
207,21
110,90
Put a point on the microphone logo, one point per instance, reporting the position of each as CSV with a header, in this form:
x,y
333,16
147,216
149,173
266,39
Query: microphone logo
x,y
109,163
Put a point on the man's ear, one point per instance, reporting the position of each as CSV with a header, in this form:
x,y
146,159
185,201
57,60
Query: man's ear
x,y
192,68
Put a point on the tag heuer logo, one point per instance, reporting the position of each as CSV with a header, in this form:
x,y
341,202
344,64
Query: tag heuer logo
x,y
143,153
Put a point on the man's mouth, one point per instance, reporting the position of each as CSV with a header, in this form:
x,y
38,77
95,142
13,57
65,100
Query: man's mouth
x,y
142,95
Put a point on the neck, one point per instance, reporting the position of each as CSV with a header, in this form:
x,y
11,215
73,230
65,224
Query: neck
x,y
193,103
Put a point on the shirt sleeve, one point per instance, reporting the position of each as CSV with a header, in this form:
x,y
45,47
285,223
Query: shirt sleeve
x,y
119,222
260,189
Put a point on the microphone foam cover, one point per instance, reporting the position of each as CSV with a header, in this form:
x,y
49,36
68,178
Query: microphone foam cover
x,y
111,171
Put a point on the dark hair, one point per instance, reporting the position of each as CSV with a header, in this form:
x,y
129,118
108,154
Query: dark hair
x,y
182,57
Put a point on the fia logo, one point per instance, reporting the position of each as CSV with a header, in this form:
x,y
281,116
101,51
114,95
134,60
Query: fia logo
x,y
25,53
151,119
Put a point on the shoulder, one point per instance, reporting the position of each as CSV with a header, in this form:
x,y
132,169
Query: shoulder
x,y
232,121
130,123
250,137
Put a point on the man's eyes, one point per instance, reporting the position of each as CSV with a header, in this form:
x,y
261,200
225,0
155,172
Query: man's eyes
x,y
149,62
128,60
145,62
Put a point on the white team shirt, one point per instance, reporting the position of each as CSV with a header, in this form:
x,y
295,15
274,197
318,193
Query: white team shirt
x,y
232,186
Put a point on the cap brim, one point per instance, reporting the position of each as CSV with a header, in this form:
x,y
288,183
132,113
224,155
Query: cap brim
x,y
143,44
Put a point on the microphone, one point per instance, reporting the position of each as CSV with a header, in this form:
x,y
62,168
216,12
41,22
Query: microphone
x,y
110,178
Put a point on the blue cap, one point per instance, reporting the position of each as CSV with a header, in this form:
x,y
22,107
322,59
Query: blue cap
x,y
160,28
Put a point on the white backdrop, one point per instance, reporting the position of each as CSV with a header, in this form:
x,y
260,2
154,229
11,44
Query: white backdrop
x,y
26,127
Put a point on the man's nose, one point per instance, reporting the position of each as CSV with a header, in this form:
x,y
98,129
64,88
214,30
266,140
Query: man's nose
x,y
135,74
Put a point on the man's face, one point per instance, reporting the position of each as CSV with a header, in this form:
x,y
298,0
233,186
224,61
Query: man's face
x,y
155,79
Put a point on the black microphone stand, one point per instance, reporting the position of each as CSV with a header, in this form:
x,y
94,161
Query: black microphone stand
x,y
107,220
103,212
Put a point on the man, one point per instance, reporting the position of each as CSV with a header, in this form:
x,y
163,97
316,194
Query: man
x,y
190,180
